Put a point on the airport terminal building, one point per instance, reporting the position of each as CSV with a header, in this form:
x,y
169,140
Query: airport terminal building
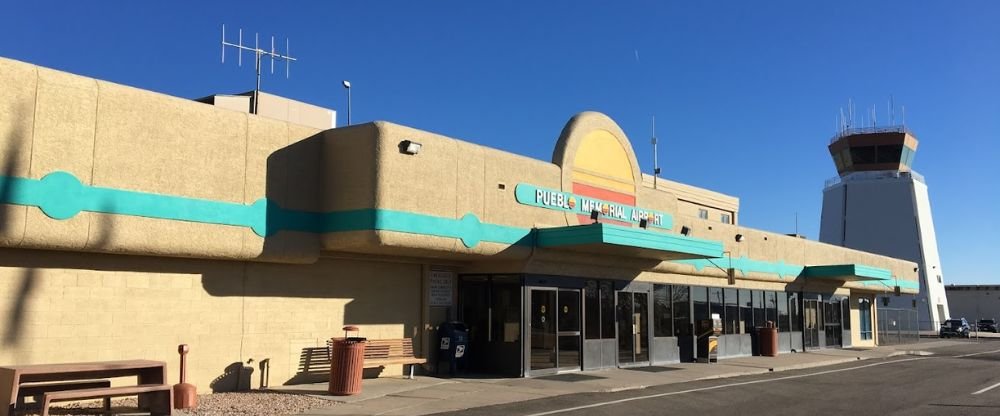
x,y
132,221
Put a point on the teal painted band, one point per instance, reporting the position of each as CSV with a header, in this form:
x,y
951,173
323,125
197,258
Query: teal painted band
x,y
578,204
61,196
469,228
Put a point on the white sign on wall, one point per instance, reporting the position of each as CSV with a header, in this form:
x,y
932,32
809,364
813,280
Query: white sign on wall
x,y
441,288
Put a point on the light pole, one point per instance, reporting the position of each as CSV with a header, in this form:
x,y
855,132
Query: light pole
x,y
347,84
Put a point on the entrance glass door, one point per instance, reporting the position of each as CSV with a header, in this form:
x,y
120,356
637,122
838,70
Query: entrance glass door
x,y
543,330
568,329
555,329
810,317
633,332
834,332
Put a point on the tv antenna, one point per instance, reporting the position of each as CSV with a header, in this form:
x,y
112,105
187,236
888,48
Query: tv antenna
x,y
259,54
656,163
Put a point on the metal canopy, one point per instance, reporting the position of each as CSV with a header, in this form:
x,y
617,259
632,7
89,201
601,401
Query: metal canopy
x,y
847,272
627,242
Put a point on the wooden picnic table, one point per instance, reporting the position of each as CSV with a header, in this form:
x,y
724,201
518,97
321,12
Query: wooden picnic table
x,y
11,377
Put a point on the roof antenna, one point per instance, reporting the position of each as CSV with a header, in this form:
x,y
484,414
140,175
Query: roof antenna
x,y
850,113
656,163
892,111
259,54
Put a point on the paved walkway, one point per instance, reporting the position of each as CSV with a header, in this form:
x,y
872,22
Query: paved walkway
x,y
428,395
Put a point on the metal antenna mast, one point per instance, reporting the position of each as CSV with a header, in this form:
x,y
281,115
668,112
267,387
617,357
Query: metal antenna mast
x,y
656,163
259,54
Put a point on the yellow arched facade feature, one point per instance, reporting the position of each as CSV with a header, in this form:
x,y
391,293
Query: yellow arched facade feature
x,y
602,161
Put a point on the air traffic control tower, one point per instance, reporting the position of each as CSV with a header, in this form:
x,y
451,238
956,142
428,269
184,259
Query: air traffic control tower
x,y
880,205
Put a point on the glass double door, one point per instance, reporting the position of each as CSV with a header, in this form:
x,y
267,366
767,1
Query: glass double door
x,y
832,324
812,317
554,338
633,327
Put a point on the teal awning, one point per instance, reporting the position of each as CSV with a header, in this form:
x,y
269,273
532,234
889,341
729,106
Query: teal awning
x,y
628,242
848,272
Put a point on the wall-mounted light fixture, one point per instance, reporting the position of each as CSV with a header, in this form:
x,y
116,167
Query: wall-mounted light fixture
x,y
409,147
643,223
594,214
685,230
739,238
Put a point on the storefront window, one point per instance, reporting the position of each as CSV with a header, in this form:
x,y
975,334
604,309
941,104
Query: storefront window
x,y
782,312
865,317
846,320
771,307
699,298
746,312
758,308
663,318
681,310
794,312
716,305
732,320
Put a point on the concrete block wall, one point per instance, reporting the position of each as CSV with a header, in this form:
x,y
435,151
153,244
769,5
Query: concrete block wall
x,y
67,307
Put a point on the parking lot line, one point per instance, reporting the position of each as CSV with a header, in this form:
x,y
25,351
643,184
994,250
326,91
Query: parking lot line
x,y
653,396
987,389
977,353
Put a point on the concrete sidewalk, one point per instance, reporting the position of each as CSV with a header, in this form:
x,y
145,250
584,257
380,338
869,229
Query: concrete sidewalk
x,y
427,395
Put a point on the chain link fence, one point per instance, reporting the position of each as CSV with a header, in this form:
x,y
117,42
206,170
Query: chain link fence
x,y
897,326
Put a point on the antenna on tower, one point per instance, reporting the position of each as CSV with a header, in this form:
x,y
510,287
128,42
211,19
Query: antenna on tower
x,y
892,111
656,163
850,113
258,54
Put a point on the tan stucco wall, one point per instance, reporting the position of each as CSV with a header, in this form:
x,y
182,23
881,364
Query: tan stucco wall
x,y
691,199
114,136
66,307
125,138
450,178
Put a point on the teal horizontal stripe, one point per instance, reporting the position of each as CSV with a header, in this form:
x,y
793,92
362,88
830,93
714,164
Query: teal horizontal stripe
x,y
61,196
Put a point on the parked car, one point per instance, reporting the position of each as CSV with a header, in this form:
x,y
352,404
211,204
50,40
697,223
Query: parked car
x,y
955,328
987,325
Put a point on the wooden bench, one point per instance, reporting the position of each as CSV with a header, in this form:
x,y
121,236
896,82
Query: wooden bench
x,y
383,352
36,390
159,397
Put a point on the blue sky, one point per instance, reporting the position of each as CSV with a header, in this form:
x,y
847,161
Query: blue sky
x,y
745,93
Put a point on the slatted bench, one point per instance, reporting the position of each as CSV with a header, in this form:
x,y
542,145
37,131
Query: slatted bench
x,y
36,390
159,397
383,352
